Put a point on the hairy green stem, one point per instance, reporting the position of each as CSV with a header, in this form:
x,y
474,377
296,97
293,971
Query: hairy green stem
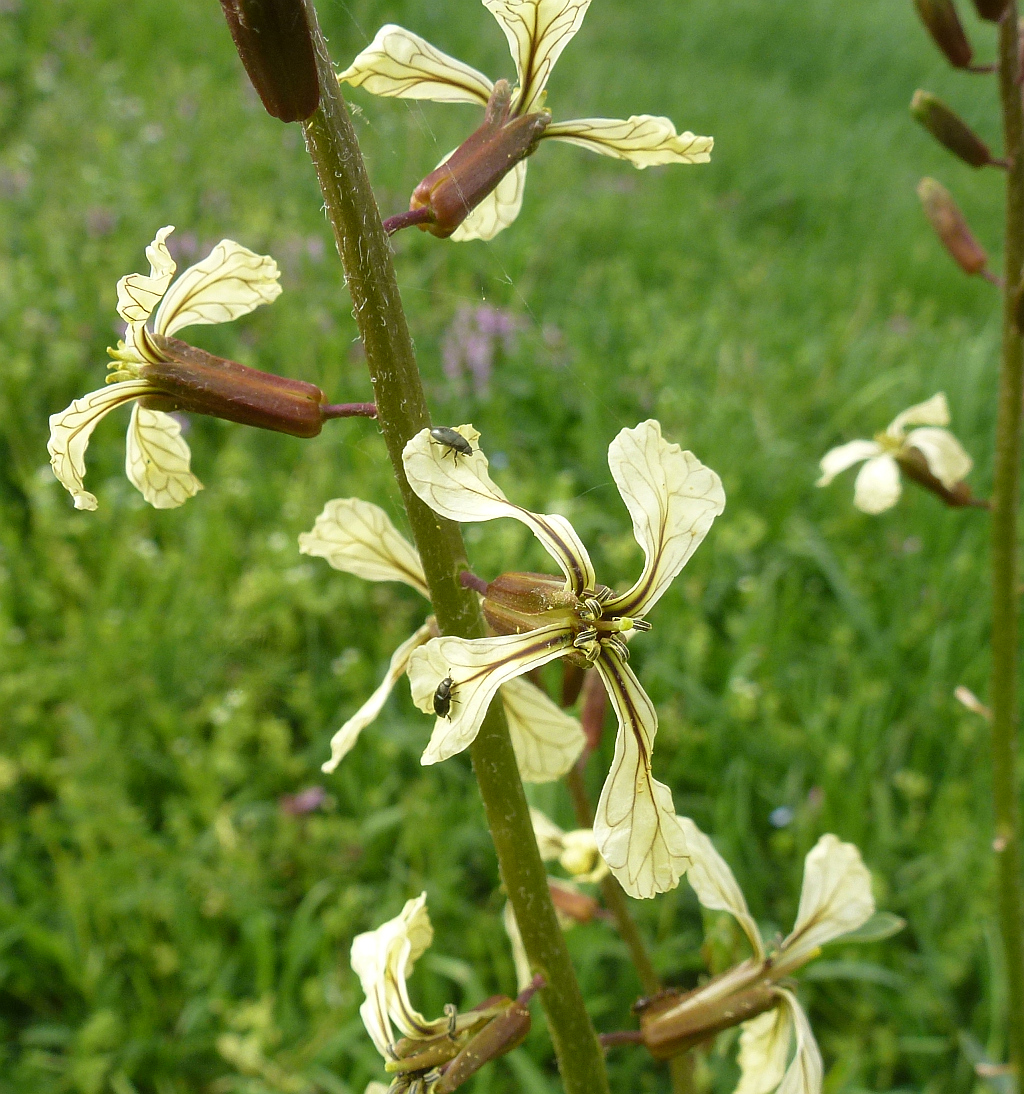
x,y
402,412
1005,547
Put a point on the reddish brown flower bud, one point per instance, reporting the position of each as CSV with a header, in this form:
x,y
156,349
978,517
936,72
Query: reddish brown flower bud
x,y
915,467
272,38
951,227
573,903
949,129
514,601
992,10
944,25
595,704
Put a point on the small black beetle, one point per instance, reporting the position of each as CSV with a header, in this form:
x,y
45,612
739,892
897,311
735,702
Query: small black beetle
x,y
453,441
443,698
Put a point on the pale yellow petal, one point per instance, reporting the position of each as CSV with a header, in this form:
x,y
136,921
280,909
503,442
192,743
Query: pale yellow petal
x,y
764,1050
462,490
804,1075
157,459
546,740
374,1087
400,64
581,856
636,826
837,460
877,486
549,835
673,500
524,973
644,140
537,32
835,899
231,281
477,667
358,538
497,210
716,886
137,294
344,740
945,455
71,429
933,411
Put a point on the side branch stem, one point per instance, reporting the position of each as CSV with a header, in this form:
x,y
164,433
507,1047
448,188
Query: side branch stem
x,y
402,412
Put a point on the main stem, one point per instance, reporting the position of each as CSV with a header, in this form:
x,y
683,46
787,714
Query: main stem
x,y
1005,519
402,412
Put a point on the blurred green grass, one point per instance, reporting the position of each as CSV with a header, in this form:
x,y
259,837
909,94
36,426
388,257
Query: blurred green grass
x,y
164,926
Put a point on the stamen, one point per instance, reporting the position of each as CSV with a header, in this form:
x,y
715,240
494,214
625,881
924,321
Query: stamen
x,y
584,638
641,625
618,645
593,606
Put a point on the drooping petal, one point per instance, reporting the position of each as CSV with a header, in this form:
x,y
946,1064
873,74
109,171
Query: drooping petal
x,y
537,32
477,667
231,281
358,538
636,826
944,454
71,429
837,460
524,974
804,1074
546,740
346,737
497,210
157,459
400,64
877,486
137,294
672,498
644,140
717,888
461,489
764,1050
835,899
933,411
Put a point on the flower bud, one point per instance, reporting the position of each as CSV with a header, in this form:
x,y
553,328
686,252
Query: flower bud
x,y
951,227
569,901
944,25
949,129
272,38
992,10
915,467
513,602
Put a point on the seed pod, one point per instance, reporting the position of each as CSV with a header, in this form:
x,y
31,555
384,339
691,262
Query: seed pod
x,y
951,227
949,129
272,38
992,10
944,25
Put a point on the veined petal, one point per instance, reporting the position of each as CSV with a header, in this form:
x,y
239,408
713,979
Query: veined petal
x,y
461,489
877,486
764,1050
804,1074
537,32
358,538
157,459
71,429
673,499
546,740
636,827
717,888
524,974
497,210
477,667
835,899
137,294
644,140
400,64
944,454
933,411
837,460
343,741
231,281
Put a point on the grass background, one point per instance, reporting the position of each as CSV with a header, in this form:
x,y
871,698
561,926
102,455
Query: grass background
x,y
166,676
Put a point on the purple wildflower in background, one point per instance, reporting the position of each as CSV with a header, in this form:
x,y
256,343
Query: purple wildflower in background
x,y
307,801
471,341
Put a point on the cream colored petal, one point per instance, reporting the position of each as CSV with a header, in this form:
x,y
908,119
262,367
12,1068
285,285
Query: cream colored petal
x,y
358,538
643,140
933,411
497,210
636,827
376,1088
344,740
837,460
546,740
524,974
581,856
157,459
137,294
673,499
400,64
877,486
231,281
835,899
477,667
71,429
715,885
764,1050
537,32
461,489
944,454
549,835
804,1074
